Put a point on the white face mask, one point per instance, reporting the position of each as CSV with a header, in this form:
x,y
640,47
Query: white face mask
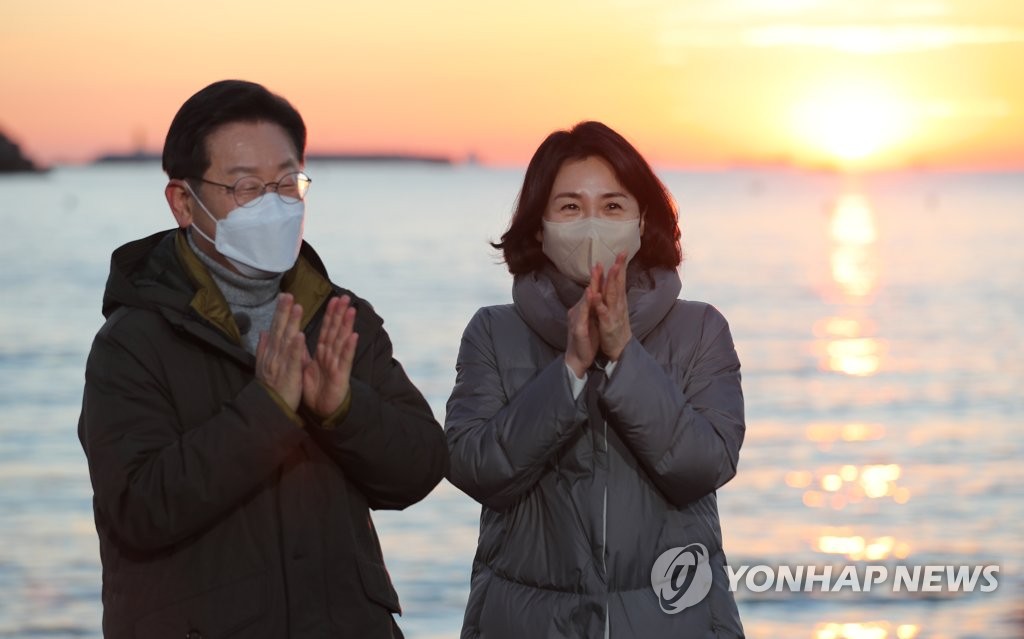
x,y
261,240
575,247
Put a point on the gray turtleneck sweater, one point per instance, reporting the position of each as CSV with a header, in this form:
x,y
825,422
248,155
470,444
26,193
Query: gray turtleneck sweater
x,y
252,301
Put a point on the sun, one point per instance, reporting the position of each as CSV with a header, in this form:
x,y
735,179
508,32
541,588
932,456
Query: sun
x,y
851,125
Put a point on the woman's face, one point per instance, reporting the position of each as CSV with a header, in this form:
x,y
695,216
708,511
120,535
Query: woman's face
x,y
589,188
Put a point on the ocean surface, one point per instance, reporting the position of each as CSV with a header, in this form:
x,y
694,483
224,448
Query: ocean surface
x,y
879,320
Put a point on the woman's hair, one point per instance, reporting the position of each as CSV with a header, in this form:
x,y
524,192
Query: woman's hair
x,y
225,102
660,242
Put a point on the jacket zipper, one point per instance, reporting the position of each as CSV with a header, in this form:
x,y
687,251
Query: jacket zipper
x,y
604,534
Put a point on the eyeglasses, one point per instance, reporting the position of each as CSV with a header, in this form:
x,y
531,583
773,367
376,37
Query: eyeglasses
x,y
249,190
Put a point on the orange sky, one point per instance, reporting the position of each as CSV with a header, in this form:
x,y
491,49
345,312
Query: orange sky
x,y
859,83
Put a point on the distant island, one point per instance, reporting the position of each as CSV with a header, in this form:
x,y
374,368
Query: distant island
x,y
378,157
127,158
146,156
11,158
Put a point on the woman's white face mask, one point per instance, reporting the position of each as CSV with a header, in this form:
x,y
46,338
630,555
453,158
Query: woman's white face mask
x,y
576,247
262,240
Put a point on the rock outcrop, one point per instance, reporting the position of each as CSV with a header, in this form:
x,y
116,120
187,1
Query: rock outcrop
x,y
11,158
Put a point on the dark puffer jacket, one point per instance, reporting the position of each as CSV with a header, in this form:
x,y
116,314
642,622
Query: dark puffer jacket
x,y
581,496
220,512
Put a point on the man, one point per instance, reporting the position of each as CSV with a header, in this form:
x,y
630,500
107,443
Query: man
x,y
241,412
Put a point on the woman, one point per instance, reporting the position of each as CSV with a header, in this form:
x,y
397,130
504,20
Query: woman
x,y
595,416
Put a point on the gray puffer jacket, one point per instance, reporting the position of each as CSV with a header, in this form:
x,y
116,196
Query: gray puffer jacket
x,y
581,496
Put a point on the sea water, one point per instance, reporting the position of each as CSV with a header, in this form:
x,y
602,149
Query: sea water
x,y
879,321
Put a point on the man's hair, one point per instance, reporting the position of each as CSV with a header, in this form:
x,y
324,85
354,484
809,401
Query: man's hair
x,y
519,245
185,153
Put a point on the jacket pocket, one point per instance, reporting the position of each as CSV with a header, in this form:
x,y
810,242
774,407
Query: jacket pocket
x,y
218,613
377,584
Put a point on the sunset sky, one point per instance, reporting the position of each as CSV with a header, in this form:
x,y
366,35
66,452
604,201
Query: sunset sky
x,y
855,83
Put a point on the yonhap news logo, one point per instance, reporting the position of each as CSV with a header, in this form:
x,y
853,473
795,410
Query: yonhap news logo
x,y
681,577
901,578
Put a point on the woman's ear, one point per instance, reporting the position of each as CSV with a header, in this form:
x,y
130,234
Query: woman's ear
x,y
180,200
643,223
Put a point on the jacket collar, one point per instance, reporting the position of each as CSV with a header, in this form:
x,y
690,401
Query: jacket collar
x,y
161,273
309,287
543,299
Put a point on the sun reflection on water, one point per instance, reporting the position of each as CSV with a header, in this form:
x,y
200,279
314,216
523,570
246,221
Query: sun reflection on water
x,y
827,434
859,356
853,260
860,548
846,342
849,484
866,630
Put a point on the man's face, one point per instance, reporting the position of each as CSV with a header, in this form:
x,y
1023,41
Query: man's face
x,y
237,150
